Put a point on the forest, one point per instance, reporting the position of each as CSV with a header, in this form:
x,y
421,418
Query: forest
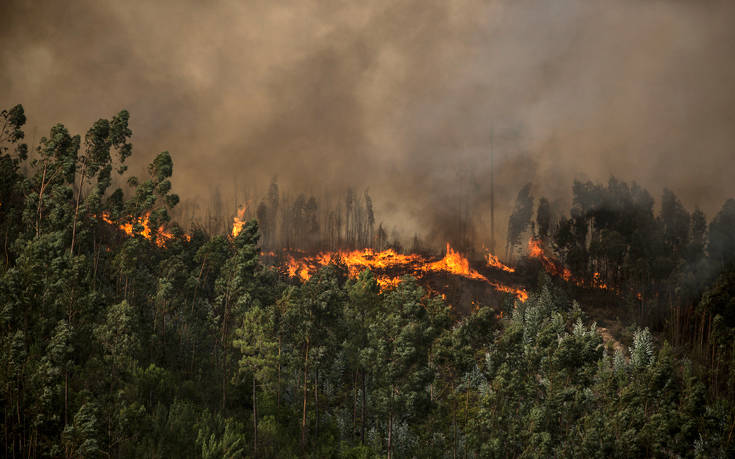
x,y
124,334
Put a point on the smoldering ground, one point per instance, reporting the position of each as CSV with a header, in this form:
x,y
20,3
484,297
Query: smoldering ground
x,y
406,98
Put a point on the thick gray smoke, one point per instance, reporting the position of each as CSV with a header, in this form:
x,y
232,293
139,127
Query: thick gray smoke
x,y
405,98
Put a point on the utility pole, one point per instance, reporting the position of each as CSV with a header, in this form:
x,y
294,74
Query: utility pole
x,y
492,194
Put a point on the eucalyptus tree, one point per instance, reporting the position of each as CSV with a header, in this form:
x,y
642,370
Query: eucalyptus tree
x,y
13,154
96,161
360,311
316,323
520,218
400,341
49,188
234,289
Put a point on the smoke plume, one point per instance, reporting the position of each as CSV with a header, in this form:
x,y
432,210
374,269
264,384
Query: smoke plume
x,y
406,98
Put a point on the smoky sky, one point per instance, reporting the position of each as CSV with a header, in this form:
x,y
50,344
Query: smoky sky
x,y
404,98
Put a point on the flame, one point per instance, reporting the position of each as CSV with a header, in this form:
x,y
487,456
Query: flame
x,y
597,282
454,263
494,262
388,282
160,236
294,268
358,260
238,221
521,294
536,250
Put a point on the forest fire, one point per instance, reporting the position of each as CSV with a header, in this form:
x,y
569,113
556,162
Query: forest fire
x,y
390,266
238,221
161,235
554,268
454,263
597,282
494,262
536,250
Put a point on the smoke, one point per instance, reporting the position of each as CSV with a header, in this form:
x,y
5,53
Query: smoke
x,y
406,98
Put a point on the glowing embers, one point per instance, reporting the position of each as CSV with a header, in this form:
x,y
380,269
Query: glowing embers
x,y
597,282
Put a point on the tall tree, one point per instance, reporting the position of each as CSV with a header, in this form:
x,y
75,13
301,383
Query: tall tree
x,y
256,342
236,292
520,218
400,338
721,235
543,219
96,160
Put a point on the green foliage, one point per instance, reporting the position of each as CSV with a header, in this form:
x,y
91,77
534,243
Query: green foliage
x,y
80,438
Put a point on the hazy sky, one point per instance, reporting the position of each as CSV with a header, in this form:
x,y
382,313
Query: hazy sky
x,y
400,97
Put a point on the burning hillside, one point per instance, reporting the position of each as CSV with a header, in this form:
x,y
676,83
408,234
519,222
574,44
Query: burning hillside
x,y
389,266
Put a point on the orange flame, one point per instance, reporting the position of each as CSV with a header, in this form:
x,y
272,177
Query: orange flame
x,y
518,292
536,250
454,263
387,282
494,262
597,282
238,221
358,260
161,235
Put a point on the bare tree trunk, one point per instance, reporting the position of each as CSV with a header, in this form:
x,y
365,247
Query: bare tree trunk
x,y
364,408
224,351
303,413
278,389
390,432
255,420
76,210
466,411
66,397
196,286
40,199
316,402
354,404
454,425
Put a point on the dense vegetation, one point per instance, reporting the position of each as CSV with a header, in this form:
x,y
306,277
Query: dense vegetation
x,y
188,346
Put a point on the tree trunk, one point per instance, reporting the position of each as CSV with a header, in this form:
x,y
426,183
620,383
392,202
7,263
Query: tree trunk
x,y
66,397
303,413
316,402
76,210
364,409
196,286
40,200
390,432
255,420
454,425
354,404
225,319
278,389
466,412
